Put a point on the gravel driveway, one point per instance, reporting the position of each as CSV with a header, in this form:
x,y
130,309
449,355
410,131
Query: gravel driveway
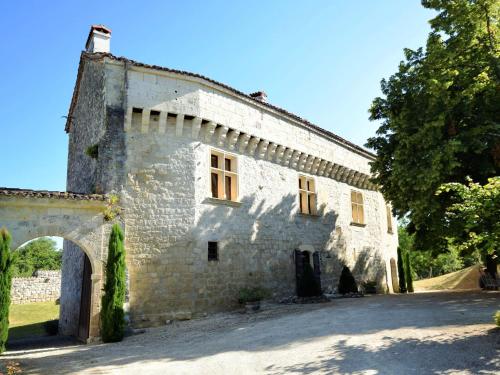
x,y
428,333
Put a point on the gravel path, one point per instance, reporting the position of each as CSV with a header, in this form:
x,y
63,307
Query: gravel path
x,y
428,333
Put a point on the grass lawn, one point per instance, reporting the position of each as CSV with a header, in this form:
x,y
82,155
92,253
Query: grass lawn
x,y
27,320
468,278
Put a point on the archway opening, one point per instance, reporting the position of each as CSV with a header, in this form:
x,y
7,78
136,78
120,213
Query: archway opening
x,y
394,276
51,292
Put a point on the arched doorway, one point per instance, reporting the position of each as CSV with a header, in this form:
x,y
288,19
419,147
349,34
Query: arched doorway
x,y
78,218
394,276
50,294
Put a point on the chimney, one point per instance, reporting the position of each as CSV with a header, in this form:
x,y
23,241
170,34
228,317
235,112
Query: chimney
x,y
99,39
261,96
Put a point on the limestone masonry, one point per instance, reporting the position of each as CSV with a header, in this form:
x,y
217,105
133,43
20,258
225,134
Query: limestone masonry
x,y
43,286
218,189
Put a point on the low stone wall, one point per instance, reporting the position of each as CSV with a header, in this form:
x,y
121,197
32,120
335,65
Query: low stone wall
x,y
43,286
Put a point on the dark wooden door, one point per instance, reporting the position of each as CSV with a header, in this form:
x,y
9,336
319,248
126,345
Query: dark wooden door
x,y
84,319
299,271
317,270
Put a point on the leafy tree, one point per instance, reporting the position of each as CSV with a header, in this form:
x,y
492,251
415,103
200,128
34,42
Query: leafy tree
x,y
40,254
440,116
408,274
474,214
5,284
347,283
112,314
401,272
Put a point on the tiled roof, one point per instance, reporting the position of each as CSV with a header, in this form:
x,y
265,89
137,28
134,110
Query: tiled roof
x,y
50,194
304,122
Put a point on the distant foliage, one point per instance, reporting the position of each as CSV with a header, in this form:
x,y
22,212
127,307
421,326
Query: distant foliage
x,y
497,318
474,215
401,272
40,254
347,283
5,285
112,313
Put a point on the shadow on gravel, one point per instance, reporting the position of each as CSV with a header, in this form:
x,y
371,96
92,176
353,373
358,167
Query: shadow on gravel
x,y
476,354
352,317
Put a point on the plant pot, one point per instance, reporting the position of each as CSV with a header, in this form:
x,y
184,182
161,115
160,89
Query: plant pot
x,y
252,307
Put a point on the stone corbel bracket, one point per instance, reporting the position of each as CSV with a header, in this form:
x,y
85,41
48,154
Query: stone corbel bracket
x,y
223,136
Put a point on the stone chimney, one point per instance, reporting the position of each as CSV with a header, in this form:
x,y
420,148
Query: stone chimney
x,y
99,39
261,96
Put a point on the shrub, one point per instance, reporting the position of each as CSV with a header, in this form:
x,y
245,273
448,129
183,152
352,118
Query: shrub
x,y
5,284
347,283
401,272
112,313
252,294
370,287
92,151
51,327
497,318
408,275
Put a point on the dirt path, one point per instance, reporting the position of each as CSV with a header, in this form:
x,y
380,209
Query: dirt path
x,y
399,334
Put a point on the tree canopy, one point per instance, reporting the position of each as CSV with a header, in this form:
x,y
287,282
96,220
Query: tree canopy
x,y
474,215
439,116
40,254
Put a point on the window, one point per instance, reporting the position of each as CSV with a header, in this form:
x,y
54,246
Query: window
x,y
223,176
307,195
389,218
213,251
358,216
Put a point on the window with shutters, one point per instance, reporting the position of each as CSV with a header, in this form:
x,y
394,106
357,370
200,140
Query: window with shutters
x,y
389,218
358,215
307,196
223,176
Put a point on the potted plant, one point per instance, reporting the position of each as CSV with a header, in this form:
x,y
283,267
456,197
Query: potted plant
x,y
251,298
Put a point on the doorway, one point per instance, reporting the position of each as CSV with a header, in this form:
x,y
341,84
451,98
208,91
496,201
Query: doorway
x,y
307,273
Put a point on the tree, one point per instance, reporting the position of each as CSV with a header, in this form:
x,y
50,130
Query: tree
x,y
401,272
5,284
473,214
408,274
440,116
347,283
112,314
40,254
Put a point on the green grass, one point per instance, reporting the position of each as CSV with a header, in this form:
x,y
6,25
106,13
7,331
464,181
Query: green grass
x,y
27,320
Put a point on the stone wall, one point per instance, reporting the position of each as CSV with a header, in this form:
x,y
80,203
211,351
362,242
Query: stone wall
x,y
159,166
43,286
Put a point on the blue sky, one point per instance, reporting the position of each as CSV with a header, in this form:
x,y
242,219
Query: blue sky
x,y
322,60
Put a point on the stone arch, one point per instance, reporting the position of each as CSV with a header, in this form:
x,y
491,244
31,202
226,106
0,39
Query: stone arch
x,y
29,214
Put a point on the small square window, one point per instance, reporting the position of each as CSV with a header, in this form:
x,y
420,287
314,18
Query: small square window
x,y
213,251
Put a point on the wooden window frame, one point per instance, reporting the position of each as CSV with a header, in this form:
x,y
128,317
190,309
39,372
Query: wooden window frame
x,y
308,196
357,208
223,175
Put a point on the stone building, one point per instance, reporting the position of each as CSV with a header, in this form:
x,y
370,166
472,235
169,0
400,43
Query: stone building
x,y
219,190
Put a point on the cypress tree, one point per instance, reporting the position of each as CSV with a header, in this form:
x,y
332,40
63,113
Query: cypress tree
x,y
5,284
409,277
347,283
112,314
401,272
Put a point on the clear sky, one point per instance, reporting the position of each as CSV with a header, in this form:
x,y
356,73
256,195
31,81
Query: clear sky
x,y
322,60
